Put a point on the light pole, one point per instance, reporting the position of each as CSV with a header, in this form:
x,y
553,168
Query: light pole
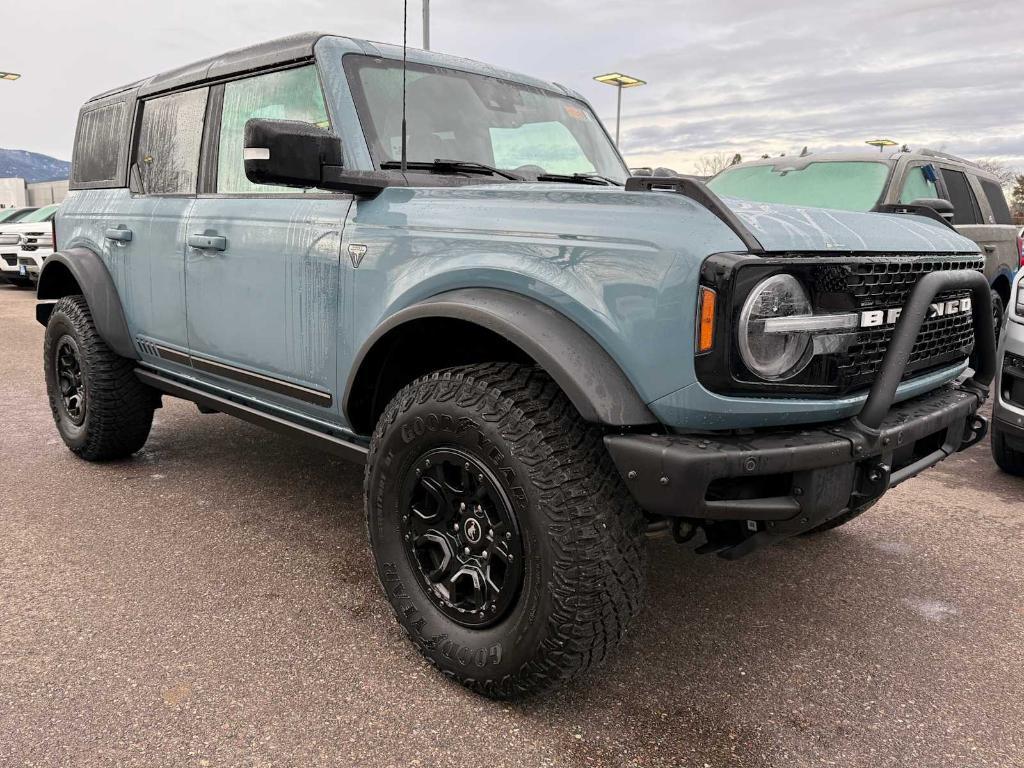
x,y
620,81
9,75
426,25
881,143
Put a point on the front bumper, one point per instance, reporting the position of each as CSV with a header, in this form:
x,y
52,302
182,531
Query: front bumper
x,y
807,476
1008,405
779,483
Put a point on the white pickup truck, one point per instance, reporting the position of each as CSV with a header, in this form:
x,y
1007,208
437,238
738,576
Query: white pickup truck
x,y
24,246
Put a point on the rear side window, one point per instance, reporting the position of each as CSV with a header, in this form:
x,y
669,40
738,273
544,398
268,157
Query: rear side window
x,y
996,201
97,158
960,195
167,150
291,94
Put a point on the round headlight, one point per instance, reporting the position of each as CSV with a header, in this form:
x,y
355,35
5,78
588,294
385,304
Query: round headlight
x,y
775,356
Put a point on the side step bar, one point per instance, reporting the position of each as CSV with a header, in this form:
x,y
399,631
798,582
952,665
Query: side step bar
x,y
339,446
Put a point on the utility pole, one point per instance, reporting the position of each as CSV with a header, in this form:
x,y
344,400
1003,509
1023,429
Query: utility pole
x,y
426,25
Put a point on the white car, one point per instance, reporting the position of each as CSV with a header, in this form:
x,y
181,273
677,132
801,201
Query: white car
x,y
1008,406
25,245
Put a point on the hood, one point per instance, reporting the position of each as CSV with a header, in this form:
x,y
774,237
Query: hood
x,y
19,228
799,228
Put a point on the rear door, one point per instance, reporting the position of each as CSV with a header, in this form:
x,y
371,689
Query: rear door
x,y
967,215
263,272
147,231
999,235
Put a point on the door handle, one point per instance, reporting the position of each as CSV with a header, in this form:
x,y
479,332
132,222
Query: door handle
x,y
204,242
120,234
989,248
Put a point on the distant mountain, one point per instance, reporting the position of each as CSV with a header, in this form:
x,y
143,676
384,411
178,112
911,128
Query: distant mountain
x,y
31,166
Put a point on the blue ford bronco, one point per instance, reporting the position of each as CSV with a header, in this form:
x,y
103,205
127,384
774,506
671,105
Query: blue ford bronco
x,y
443,270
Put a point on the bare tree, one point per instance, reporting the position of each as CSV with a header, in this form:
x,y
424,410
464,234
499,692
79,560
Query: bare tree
x,y
1005,174
709,165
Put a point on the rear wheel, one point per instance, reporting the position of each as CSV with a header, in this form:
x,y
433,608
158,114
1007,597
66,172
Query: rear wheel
x,y
503,535
1008,459
101,409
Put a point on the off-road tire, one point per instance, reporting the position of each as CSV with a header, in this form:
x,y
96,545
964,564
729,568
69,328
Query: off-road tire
x,y
842,519
1009,460
118,410
582,535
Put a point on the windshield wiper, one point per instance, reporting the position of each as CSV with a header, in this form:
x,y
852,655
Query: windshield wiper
x,y
451,166
580,178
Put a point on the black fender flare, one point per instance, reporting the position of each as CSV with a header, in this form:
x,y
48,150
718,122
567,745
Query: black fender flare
x,y
94,280
588,375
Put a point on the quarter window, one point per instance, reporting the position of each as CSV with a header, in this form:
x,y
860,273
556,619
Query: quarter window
x,y
291,94
996,201
98,142
170,134
960,195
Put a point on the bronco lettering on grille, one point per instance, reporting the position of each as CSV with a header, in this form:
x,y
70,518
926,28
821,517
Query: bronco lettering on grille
x,y
878,317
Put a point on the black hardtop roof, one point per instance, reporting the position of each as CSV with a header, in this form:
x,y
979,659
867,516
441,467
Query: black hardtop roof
x,y
280,51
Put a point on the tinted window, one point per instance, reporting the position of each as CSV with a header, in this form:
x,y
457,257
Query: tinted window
x,y
170,134
291,94
98,143
997,201
843,185
918,184
962,198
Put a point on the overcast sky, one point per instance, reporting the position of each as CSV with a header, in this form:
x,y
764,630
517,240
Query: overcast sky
x,y
746,76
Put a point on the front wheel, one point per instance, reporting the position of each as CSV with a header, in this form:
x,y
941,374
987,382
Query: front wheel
x,y
504,538
1008,459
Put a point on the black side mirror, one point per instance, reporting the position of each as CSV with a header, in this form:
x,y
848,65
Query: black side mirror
x,y
297,154
288,152
942,207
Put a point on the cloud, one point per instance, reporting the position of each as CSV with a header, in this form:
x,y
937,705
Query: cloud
x,y
730,76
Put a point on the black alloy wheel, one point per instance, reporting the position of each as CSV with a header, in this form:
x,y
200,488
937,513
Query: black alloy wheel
x,y
462,537
70,382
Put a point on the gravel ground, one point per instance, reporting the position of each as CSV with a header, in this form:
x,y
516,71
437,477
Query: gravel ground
x,y
211,602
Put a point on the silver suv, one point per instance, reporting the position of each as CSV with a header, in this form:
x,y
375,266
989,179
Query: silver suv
x,y
965,194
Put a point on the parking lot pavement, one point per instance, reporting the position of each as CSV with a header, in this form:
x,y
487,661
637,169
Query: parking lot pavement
x,y
212,603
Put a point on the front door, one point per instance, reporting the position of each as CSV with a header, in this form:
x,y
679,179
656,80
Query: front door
x,y
263,270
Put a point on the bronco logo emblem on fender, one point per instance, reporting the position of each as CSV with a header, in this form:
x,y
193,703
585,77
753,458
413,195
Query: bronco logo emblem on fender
x,y
879,317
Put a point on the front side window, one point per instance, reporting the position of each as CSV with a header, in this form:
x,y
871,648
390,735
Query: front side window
x,y
290,94
454,115
919,183
843,185
170,134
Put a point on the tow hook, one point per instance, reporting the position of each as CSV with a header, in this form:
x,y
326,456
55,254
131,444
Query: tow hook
x,y
974,432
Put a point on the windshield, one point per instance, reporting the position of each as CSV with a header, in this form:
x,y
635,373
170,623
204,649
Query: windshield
x,y
846,185
454,115
43,214
15,214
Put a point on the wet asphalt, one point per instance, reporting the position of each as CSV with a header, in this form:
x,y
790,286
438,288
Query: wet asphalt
x,y
211,602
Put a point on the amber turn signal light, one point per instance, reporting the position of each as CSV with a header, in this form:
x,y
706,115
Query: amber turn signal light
x,y
706,320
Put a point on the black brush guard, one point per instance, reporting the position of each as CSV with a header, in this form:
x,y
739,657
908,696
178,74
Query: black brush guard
x,y
827,469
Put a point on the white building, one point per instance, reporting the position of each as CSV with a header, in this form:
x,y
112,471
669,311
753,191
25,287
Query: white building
x,y
15,192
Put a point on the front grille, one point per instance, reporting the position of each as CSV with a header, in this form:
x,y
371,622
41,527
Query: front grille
x,y
887,283
11,259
